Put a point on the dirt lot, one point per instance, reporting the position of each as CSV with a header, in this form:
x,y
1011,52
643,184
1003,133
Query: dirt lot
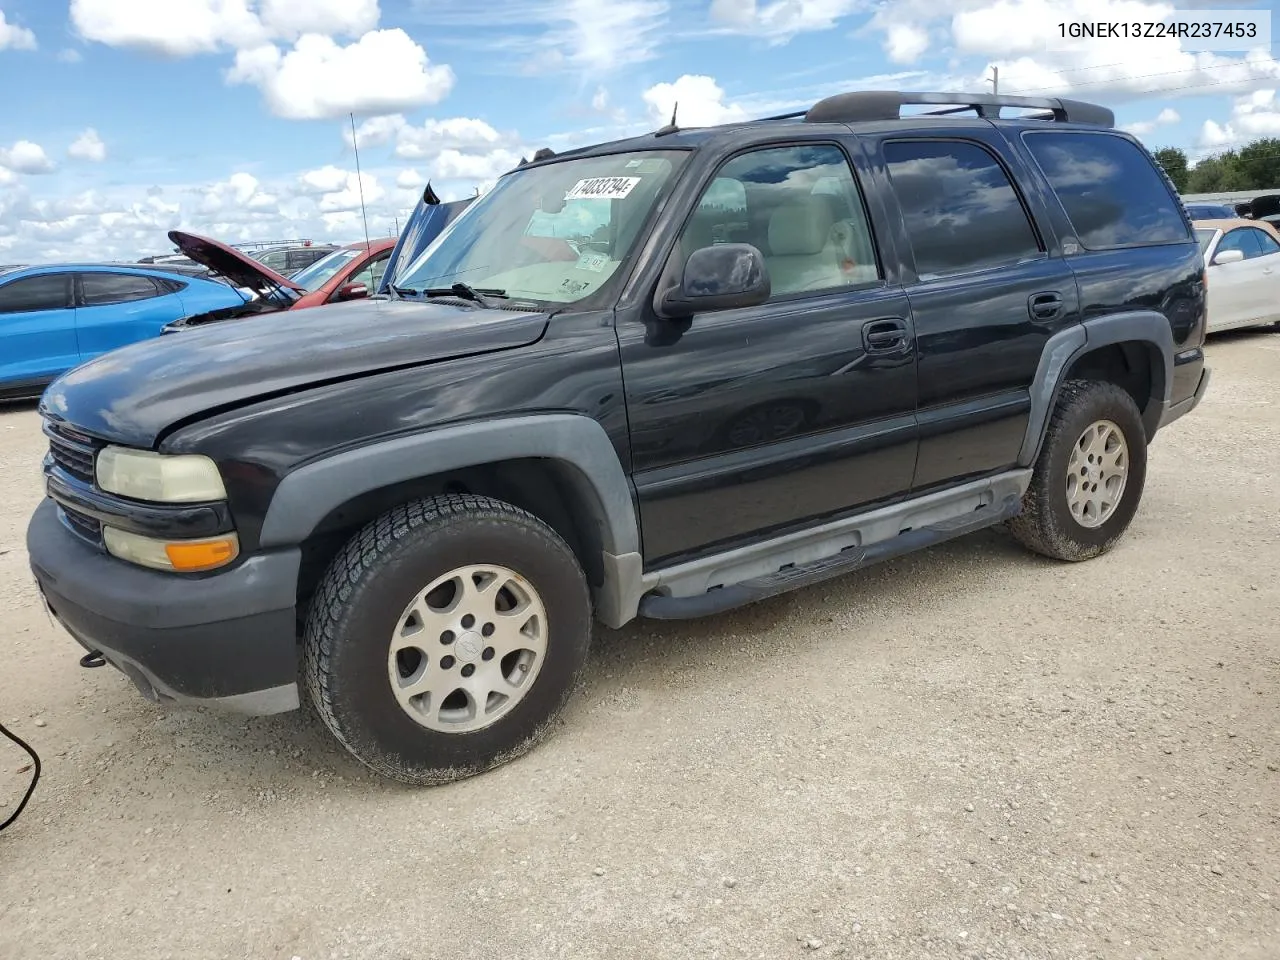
x,y
970,753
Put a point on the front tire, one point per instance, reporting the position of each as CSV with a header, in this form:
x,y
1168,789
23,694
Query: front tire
x,y
446,638
1089,476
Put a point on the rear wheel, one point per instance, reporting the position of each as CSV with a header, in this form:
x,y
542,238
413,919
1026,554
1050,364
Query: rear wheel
x,y
1089,477
446,637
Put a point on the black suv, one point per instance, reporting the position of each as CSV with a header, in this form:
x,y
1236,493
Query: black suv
x,y
661,377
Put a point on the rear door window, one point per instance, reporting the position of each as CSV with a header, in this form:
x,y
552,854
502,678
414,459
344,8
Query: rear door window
x,y
48,292
960,209
99,289
1110,188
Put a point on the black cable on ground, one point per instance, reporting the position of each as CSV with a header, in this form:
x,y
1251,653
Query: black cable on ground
x,y
35,777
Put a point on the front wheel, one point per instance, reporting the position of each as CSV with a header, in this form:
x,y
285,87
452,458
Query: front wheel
x,y
446,637
1089,477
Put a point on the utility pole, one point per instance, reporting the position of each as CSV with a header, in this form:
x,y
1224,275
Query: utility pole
x,y
995,81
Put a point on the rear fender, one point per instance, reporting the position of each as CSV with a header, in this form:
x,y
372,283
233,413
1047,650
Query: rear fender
x,y
1067,346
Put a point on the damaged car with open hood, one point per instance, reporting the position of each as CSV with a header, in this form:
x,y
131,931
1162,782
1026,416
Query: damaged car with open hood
x,y
350,272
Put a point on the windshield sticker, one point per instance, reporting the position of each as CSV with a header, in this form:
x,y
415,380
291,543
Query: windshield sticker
x,y
595,262
632,164
574,287
603,188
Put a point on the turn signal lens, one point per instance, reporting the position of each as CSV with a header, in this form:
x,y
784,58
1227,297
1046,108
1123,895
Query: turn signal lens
x,y
202,555
180,556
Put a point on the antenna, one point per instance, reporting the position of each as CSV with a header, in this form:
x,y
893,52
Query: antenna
x,y
674,110
671,127
355,145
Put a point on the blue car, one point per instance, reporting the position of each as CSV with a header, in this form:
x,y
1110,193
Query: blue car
x,y
53,318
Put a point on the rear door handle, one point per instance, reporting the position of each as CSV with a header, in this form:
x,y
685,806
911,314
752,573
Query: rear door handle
x,y
1045,306
883,336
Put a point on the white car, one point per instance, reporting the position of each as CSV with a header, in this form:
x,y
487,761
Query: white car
x,y
1243,259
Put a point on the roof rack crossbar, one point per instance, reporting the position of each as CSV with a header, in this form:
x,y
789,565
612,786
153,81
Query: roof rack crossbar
x,y
867,105
781,116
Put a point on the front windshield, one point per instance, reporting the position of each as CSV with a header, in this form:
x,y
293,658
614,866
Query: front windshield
x,y
1205,237
321,272
553,233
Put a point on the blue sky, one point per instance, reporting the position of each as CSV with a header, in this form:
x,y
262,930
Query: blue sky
x,y
126,118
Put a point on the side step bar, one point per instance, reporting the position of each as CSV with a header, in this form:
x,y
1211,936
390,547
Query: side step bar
x,y
794,576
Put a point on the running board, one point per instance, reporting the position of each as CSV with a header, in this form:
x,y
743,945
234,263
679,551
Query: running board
x,y
998,500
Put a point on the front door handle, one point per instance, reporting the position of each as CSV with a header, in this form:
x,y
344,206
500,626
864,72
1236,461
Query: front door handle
x,y
1045,306
884,336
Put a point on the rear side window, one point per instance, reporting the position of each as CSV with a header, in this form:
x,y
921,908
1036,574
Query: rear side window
x,y
103,288
48,292
961,211
1111,190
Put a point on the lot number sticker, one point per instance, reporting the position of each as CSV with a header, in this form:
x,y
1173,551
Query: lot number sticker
x,y
602,188
595,262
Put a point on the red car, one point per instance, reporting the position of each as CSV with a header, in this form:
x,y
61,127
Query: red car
x,y
348,273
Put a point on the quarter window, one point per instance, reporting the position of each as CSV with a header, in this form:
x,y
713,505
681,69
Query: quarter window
x,y
104,288
1267,244
960,208
801,207
1111,190
48,292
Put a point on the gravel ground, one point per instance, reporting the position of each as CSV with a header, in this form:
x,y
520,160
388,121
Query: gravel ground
x,y
970,753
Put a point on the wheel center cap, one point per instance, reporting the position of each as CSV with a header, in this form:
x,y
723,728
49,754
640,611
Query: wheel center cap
x,y
468,647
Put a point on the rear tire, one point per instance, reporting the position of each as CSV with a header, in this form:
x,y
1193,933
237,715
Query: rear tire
x,y
446,638
1089,476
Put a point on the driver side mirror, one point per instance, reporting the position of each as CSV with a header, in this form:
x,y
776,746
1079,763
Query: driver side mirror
x,y
719,277
352,291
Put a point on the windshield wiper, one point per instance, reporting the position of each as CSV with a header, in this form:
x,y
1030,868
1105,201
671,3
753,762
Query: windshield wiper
x,y
465,291
402,292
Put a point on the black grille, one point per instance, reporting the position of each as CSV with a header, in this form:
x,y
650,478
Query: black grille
x,y
86,527
71,451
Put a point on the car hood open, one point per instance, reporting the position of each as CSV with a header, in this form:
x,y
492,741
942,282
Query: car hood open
x,y
138,393
241,269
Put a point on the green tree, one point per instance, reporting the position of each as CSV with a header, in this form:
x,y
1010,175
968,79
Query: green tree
x,y
1259,164
1219,174
1174,162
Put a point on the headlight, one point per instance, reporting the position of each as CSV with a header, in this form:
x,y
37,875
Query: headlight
x,y
182,556
158,477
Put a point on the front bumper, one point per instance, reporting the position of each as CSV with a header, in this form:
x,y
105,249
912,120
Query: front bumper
x,y
227,640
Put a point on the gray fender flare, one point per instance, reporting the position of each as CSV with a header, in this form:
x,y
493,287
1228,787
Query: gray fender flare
x,y
601,487
1067,346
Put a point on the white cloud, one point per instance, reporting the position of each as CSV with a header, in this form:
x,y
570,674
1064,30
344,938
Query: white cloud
x,y
600,100
1253,116
239,193
700,99
324,180
410,179
1021,38
456,165
383,72
376,131
594,37
69,55
905,43
290,19
779,21
14,37
436,136
88,146
338,190
1143,128
177,28
26,157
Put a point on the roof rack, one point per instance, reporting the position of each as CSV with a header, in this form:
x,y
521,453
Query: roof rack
x,y
865,105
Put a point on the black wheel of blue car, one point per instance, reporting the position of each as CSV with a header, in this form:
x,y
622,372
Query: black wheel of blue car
x,y
446,638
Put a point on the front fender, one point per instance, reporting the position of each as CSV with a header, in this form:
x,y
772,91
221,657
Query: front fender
x,y
600,485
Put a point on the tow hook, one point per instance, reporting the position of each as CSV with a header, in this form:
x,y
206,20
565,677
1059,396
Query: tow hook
x,y
91,660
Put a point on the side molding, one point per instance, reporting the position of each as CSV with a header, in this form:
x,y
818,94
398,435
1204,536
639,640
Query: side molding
x,y
307,494
1067,346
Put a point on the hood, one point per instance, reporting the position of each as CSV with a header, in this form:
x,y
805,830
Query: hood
x,y
241,269
428,220
1267,206
135,394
